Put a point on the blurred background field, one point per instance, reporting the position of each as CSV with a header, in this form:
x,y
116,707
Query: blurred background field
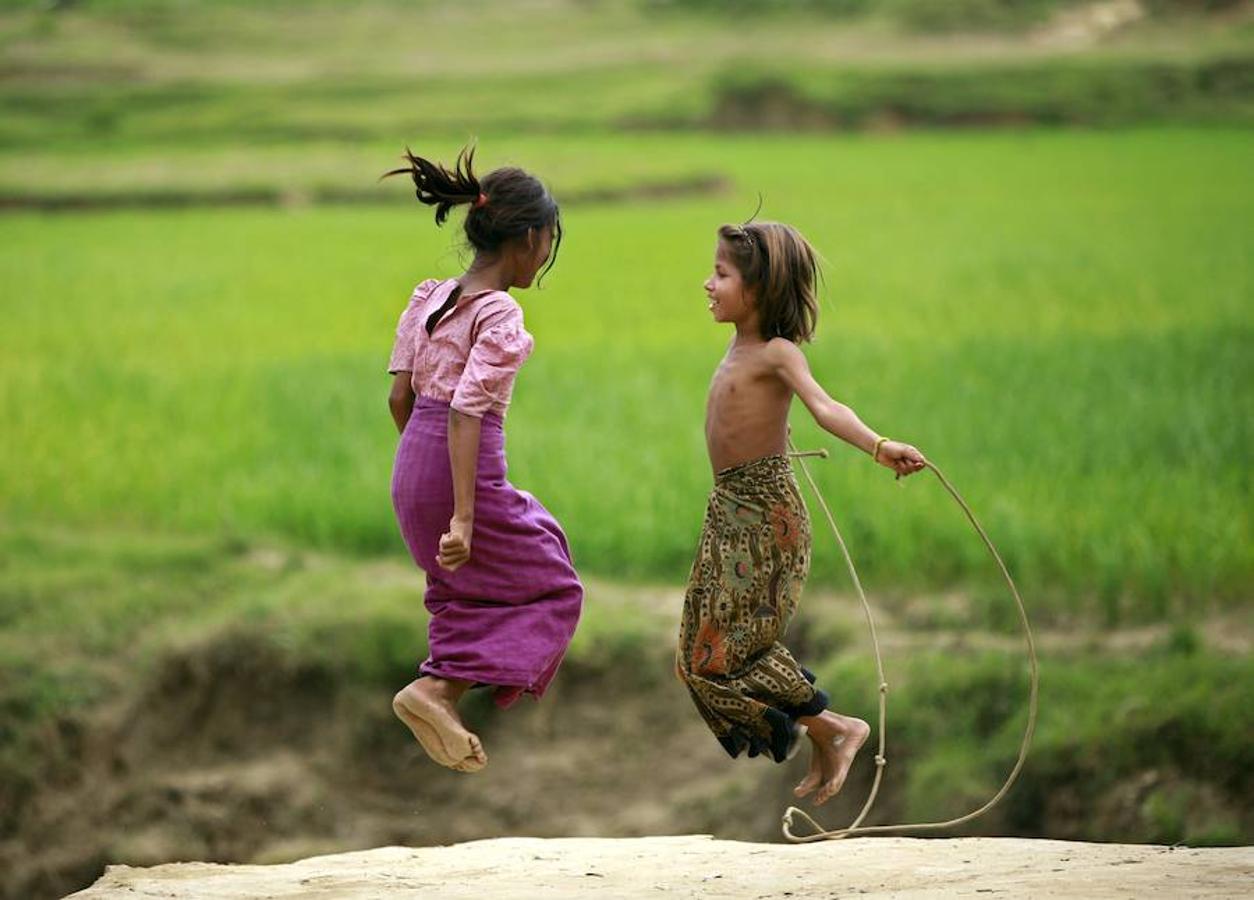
x,y
1060,319
1035,224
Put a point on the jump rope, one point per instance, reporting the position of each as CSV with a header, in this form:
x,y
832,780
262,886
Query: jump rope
x,y
818,832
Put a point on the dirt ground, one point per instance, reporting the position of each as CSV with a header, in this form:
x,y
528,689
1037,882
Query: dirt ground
x,y
698,866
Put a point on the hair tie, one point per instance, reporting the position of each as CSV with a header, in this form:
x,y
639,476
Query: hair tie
x,y
482,200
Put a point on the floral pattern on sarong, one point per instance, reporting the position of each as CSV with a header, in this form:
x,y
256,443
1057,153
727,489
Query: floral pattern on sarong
x,y
751,564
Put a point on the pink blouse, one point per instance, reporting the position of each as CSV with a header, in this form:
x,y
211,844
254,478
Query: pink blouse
x,y
474,353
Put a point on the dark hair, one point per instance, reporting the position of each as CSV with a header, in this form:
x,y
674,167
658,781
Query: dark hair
x,y
781,268
506,203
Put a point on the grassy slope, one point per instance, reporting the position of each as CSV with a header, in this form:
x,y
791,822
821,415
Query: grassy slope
x,y
1140,738
146,74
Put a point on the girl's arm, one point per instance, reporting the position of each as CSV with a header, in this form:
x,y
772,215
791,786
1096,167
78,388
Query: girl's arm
x,y
463,454
401,400
792,368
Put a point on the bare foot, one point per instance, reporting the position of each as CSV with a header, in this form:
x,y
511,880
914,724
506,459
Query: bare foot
x,y
433,719
425,734
814,777
837,741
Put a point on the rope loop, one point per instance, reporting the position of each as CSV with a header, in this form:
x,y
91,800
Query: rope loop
x,y
821,834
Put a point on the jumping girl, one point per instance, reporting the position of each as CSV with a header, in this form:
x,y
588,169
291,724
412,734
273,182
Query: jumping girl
x,y
502,592
754,552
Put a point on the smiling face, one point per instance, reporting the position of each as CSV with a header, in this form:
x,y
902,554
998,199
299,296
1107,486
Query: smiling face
x,y
531,253
729,300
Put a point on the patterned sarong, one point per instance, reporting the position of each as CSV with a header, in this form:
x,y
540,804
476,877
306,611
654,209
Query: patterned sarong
x,y
751,565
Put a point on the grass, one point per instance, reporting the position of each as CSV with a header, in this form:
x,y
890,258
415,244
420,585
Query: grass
x,y
88,619
1142,744
147,75
1146,745
1059,319
1085,91
304,171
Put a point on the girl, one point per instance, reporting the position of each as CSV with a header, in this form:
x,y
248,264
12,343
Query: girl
x,y
501,589
754,551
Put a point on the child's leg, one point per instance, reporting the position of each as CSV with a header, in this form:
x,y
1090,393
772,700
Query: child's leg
x,y
836,740
757,708
752,561
428,706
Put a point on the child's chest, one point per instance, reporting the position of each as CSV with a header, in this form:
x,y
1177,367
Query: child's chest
x,y
741,380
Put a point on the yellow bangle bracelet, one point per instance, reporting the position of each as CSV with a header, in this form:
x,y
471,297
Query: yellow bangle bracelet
x,y
875,454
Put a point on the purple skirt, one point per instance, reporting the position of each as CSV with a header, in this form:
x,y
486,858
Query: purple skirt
x,y
506,617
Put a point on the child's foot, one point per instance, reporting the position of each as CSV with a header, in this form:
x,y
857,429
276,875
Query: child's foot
x,y
426,735
814,777
837,741
433,719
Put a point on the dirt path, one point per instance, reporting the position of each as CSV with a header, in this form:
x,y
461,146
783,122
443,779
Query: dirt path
x,y
698,866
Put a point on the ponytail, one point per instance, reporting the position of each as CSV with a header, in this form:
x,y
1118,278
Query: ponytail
x,y
505,204
439,187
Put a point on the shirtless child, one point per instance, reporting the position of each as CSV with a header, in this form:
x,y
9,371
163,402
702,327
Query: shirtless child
x,y
754,552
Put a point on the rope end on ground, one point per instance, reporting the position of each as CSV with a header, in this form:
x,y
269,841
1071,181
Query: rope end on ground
x,y
786,825
817,831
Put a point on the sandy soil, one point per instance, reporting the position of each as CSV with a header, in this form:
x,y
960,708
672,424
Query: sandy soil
x,y
698,866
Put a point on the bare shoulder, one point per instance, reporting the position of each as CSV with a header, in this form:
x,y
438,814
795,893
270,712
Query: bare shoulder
x,y
782,353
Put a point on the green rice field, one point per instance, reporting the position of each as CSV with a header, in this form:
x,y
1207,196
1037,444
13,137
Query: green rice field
x,y
1060,320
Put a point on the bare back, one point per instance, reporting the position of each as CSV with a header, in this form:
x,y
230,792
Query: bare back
x,y
746,414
